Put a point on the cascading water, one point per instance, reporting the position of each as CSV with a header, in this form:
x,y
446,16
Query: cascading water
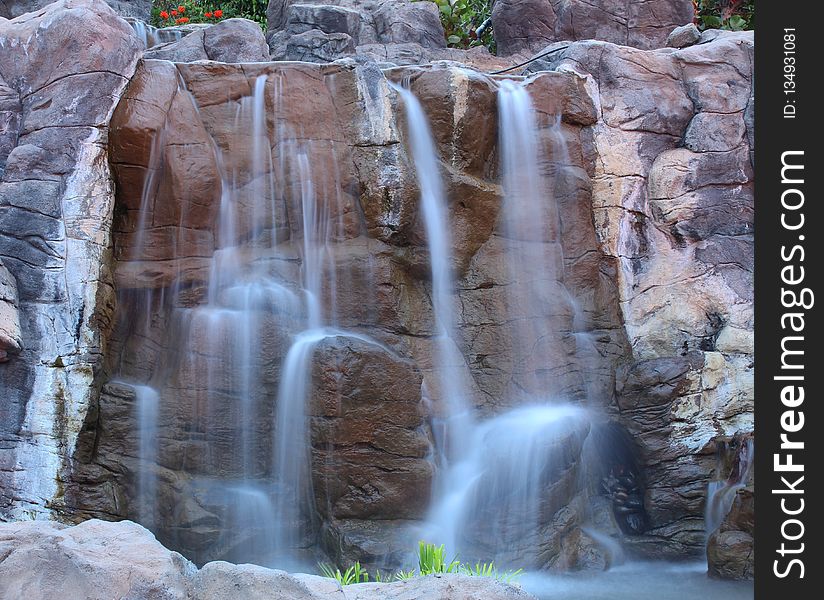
x,y
449,362
521,467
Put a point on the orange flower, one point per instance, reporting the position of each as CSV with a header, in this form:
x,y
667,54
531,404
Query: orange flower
x,y
184,20
174,13
181,9
218,13
208,15
164,14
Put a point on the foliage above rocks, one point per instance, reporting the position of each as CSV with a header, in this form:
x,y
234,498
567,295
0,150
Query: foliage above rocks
x,y
168,13
734,15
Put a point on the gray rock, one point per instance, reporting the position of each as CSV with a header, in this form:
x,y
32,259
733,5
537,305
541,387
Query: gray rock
x,y
139,9
435,587
324,30
529,25
683,36
98,560
715,132
230,41
56,209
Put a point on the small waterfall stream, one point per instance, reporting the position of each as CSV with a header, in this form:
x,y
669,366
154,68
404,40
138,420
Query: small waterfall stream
x,y
449,362
500,492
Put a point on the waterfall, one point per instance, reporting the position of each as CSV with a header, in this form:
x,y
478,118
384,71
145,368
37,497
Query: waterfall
x,y
522,466
448,362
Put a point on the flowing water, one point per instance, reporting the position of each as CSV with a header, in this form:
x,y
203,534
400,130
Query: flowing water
x,y
498,495
638,581
274,279
449,362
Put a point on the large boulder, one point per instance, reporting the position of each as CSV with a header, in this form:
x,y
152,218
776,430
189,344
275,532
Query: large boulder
x,y
139,9
64,68
229,41
529,25
98,560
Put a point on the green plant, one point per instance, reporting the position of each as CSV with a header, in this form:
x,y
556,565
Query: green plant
x,y
461,20
735,15
404,575
354,574
167,13
489,570
432,559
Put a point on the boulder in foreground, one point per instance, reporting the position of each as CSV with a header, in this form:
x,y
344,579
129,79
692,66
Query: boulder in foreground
x,y
99,560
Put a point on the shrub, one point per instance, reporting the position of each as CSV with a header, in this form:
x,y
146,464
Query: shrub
x,y
354,574
734,15
461,20
431,561
167,13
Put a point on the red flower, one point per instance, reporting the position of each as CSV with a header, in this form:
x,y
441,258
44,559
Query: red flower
x,y
184,20
208,15
181,9
164,14
218,13
174,13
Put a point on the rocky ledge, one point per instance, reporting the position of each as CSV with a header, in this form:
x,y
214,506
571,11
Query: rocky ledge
x,y
103,560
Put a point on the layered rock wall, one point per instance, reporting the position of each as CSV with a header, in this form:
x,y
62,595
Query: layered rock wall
x,y
62,71
672,178
650,153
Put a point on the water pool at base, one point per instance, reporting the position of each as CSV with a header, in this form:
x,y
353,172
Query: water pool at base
x,y
638,581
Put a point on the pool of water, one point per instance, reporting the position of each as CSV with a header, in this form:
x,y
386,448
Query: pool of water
x,y
638,581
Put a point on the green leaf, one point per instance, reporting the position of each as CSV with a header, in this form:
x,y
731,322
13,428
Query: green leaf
x,y
711,21
737,23
454,39
446,9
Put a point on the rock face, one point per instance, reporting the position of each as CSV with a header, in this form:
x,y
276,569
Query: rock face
x,y
104,294
529,25
368,403
673,202
56,205
98,560
140,9
400,32
321,31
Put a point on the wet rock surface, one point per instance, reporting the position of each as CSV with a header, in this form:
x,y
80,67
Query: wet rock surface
x,y
673,202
